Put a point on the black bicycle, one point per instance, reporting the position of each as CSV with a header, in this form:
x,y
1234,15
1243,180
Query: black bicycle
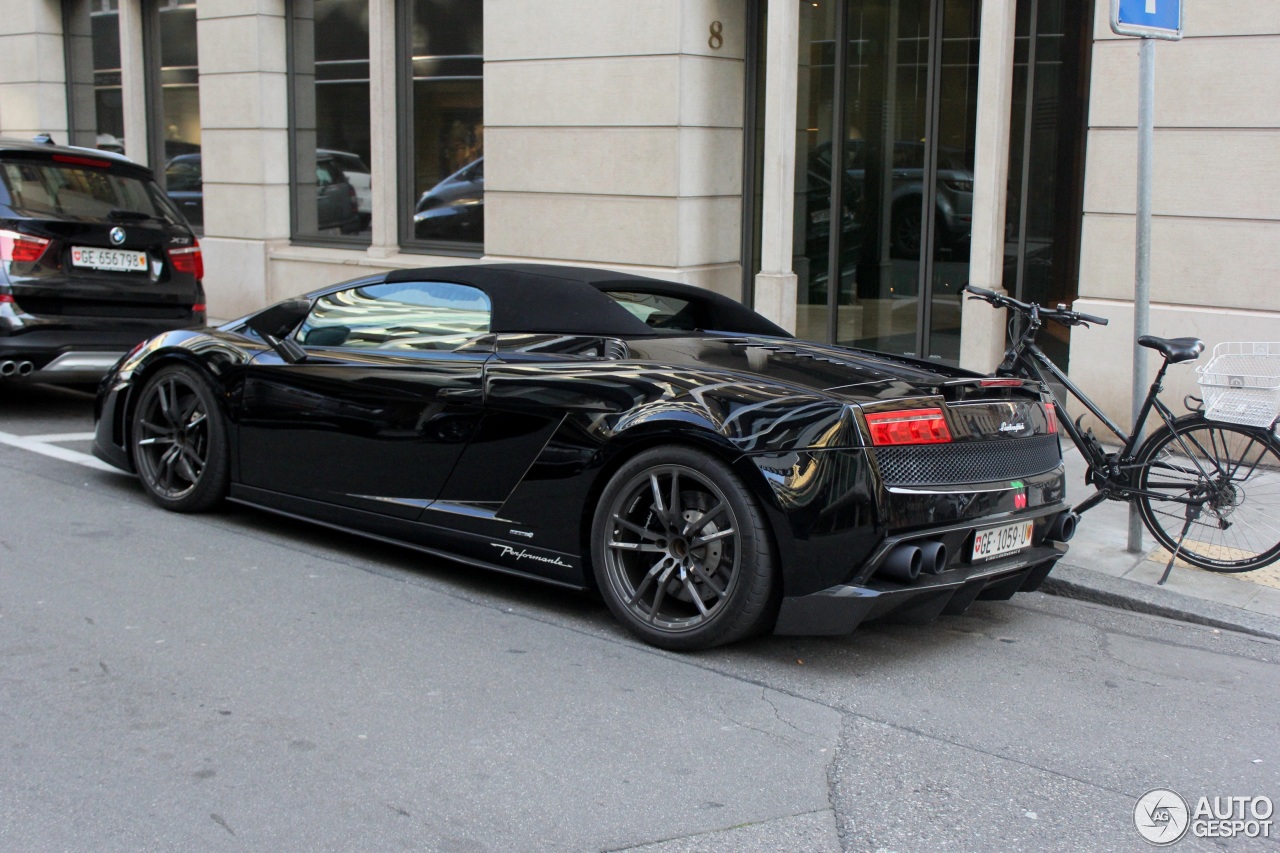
x,y
1208,490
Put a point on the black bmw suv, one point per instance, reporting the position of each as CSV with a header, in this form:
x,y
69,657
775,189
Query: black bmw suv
x,y
93,259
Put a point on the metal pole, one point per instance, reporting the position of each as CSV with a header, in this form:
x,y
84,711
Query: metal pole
x,y
1142,278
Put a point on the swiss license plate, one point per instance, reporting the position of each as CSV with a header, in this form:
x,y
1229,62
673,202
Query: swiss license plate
x,y
116,260
998,541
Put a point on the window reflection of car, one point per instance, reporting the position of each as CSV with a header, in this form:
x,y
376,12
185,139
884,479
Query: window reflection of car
x,y
454,208
184,184
954,201
337,205
953,204
357,174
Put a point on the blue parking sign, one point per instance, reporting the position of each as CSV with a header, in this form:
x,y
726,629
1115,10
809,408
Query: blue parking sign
x,y
1160,19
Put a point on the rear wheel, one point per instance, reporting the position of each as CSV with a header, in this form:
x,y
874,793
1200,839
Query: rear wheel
x,y
904,233
1231,473
179,441
681,551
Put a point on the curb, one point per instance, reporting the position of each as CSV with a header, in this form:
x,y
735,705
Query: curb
x,y
1074,582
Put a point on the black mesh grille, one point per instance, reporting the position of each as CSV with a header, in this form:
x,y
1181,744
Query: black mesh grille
x,y
967,462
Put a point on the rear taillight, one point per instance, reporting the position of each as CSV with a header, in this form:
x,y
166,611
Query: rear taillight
x,y
1051,416
21,248
1001,383
6,298
910,426
188,260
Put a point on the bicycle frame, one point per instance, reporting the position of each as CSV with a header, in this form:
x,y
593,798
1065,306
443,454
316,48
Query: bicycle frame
x,y
1111,470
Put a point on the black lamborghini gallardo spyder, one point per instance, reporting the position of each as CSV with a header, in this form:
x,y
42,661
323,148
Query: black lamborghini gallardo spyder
x,y
711,476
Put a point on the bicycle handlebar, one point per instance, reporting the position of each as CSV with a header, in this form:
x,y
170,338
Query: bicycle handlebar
x,y
1059,315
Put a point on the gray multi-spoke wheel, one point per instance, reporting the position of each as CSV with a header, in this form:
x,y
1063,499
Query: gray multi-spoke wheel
x,y
681,551
179,441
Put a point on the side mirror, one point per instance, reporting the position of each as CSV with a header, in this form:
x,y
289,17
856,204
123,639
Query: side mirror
x,y
277,322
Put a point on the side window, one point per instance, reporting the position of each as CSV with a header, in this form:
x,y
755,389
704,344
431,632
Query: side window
x,y
402,316
660,311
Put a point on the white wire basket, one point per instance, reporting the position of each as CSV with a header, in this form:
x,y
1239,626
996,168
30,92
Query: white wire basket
x,y
1241,383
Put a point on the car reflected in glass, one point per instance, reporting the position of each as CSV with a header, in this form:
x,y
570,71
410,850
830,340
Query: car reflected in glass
x,y
454,208
337,199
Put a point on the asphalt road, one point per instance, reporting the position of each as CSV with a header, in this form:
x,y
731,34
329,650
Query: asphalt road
x,y
238,681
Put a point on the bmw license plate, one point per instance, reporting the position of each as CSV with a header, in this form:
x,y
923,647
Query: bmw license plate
x,y
999,541
115,260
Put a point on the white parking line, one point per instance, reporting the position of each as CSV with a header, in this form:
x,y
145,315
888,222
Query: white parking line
x,y
56,437
44,445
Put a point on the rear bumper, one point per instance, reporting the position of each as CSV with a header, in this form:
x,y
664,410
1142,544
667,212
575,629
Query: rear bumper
x,y
841,608
52,355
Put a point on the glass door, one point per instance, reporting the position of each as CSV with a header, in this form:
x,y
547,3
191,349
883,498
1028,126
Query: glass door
x,y
887,100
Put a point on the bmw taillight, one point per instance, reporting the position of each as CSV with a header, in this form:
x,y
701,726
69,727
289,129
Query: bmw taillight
x,y
1051,416
188,260
21,248
909,426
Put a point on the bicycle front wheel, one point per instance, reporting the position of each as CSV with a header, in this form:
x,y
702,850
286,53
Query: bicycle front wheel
x,y
1226,478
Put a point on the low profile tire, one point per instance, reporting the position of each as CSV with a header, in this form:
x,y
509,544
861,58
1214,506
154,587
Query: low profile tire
x,y
179,441
681,551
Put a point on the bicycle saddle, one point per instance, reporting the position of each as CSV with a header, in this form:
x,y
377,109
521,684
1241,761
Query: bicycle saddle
x,y
1174,349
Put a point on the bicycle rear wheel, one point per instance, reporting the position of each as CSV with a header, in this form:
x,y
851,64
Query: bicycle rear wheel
x,y
1233,473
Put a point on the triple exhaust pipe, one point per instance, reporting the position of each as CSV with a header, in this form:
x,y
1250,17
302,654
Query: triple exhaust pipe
x,y
908,561
16,368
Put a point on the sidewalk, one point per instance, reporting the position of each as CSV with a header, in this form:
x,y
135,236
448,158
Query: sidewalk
x,y
1099,568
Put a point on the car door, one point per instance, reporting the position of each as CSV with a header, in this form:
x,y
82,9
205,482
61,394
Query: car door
x,y
381,408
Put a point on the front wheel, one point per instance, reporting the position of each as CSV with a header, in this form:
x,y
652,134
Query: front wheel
x,y
179,441
1227,477
681,551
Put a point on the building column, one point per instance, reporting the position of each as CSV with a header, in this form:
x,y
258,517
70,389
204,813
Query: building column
x,y
244,117
982,329
33,88
613,135
775,285
133,82
383,129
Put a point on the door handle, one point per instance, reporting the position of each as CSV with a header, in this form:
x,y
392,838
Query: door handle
x,y
460,394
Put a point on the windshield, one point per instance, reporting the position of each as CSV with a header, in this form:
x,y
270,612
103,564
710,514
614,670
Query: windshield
x,y
46,190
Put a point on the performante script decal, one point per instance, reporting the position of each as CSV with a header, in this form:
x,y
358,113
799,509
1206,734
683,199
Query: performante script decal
x,y
522,554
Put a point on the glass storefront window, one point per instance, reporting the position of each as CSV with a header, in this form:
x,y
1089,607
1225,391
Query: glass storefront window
x,y
442,132
173,82
884,180
96,107
329,105
1046,156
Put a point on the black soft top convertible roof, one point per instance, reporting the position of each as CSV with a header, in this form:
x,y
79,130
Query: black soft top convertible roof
x,y
545,298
